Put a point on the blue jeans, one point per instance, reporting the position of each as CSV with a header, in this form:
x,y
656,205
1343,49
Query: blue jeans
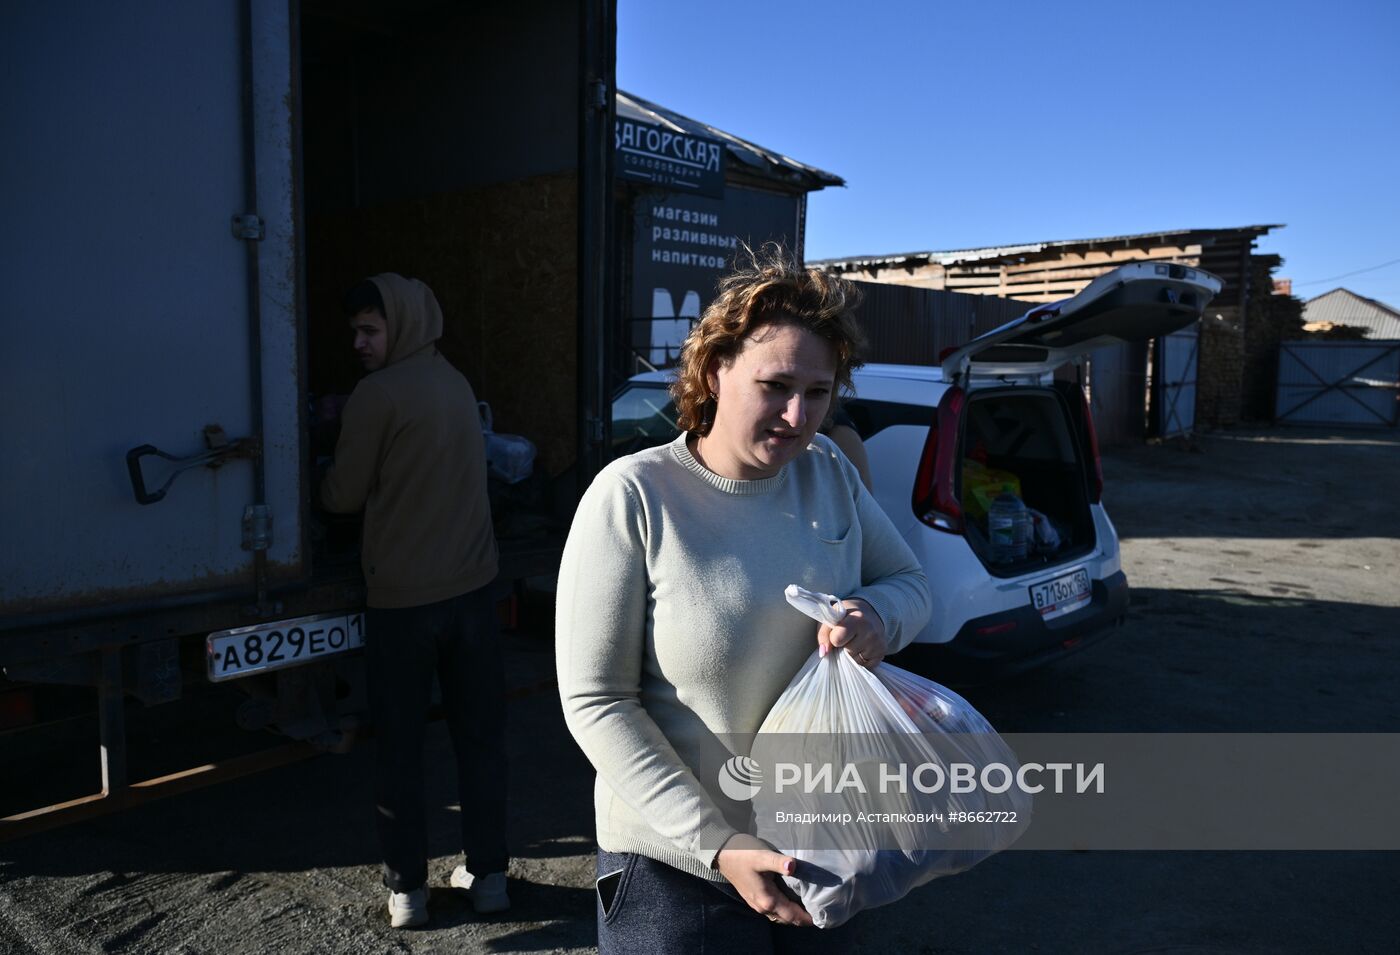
x,y
404,648
645,906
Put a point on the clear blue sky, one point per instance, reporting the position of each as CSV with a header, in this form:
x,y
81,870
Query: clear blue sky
x,y
958,125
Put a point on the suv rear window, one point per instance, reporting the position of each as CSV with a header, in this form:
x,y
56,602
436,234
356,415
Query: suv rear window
x,y
1020,426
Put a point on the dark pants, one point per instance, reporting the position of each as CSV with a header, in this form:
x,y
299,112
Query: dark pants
x,y
657,909
457,640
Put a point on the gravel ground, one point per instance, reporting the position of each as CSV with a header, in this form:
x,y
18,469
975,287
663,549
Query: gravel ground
x,y
1264,567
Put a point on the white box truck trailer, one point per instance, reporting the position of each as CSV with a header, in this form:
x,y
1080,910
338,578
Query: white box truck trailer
x,y
189,188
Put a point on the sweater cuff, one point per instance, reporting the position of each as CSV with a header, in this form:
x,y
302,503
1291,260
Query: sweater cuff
x,y
709,840
892,628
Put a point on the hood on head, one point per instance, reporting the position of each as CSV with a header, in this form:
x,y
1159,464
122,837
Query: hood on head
x,y
411,312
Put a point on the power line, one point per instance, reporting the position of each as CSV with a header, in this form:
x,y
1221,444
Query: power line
x,y
1348,275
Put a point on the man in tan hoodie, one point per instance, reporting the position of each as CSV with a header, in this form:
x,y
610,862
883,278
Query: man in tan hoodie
x,y
412,456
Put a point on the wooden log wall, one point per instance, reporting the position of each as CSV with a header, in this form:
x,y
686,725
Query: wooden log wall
x,y
1271,319
1219,369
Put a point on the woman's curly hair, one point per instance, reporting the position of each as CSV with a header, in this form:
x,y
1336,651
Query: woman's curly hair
x,y
771,288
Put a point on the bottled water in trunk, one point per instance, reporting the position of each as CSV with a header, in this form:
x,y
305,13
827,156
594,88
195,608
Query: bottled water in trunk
x,y
1009,527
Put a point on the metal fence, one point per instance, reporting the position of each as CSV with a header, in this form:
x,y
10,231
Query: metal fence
x,y
910,326
1339,382
1118,392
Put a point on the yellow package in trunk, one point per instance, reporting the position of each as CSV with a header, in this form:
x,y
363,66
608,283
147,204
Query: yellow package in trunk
x,y
981,485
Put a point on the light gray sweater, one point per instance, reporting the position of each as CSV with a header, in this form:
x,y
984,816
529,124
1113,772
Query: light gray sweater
x,y
673,637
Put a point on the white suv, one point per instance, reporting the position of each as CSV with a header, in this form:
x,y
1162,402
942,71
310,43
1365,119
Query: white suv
x,y
944,441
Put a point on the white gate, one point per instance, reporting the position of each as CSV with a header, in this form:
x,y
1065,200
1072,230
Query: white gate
x,y
1174,395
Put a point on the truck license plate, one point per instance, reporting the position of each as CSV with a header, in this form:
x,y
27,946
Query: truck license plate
x,y
284,643
1061,595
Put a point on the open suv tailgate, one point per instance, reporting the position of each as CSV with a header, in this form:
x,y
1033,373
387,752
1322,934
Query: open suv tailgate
x,y
1132,303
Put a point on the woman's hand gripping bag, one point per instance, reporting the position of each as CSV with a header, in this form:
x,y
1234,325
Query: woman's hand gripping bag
x,y
878,781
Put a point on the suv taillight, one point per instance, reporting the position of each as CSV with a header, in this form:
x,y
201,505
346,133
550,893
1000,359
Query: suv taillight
x,y
934,500
1096,489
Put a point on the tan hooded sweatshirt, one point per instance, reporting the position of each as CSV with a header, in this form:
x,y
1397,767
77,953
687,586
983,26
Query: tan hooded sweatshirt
x,y
411,454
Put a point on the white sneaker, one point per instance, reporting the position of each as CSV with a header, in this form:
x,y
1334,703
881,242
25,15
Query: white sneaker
x,y
407,909
487,892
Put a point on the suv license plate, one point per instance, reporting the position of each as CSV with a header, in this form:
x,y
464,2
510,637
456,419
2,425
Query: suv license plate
x,y
284,643
1061,595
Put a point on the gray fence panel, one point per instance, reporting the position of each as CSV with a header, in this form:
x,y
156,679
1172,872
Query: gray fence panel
x,y
911,326
1346,383
1118,392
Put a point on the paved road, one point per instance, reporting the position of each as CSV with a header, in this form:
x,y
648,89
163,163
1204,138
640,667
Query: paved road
x,y
1265,568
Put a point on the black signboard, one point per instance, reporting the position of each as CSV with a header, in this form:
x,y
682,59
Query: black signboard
x,y
673,160
681,247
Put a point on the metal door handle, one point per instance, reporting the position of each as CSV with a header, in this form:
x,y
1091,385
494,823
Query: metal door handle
x,y
220,450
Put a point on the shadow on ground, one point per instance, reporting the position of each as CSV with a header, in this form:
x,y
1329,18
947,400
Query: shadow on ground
x,y
1216,661
1269,483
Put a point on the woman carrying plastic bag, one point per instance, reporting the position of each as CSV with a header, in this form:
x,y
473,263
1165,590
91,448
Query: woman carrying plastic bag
x,y
673,639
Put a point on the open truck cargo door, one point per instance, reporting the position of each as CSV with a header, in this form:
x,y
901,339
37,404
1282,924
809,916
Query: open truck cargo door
x,y
1132,303
114,367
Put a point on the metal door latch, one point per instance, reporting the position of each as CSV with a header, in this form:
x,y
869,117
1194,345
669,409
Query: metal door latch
x,y
220,449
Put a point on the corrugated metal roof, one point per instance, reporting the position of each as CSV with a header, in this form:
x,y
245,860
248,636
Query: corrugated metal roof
x,y
954,256
764,162
1344,307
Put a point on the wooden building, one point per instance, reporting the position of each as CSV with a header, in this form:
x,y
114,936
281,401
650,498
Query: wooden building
x,y
1049,271
1238,350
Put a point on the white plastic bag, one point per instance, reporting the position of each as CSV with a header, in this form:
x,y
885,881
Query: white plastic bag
x,y
1046,537
837,712
509,457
